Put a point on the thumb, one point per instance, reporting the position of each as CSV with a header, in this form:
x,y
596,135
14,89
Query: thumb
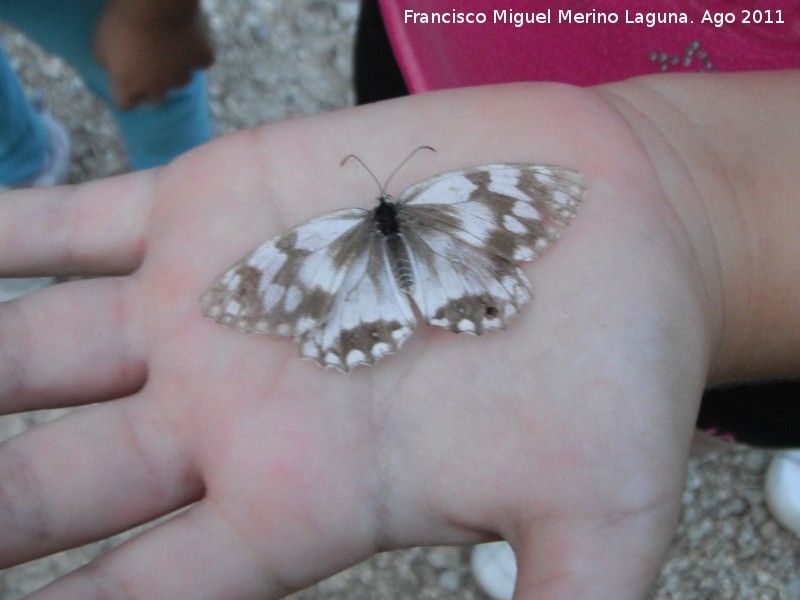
x,y
615,558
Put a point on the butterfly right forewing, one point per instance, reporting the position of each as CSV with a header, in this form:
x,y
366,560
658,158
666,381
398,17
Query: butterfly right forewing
x,y
512,210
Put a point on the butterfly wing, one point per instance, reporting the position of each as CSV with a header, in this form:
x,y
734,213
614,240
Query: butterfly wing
x,y
460,287
333,283
512,210
370,317
466,230
288,285
327,284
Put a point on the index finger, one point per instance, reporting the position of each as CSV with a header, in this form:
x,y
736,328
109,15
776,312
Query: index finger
x,y
91,229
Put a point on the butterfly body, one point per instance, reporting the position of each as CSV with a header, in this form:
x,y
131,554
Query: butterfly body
x,y
387,219
341,284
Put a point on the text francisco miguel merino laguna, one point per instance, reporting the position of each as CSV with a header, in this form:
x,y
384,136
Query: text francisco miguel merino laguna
x,y
519,18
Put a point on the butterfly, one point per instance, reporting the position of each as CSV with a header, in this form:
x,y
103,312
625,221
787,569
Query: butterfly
x,y
341,284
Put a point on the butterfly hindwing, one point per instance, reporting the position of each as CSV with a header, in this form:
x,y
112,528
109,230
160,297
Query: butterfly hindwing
x,y
460,287
371,316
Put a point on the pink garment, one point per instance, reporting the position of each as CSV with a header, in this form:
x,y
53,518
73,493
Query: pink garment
x,y
446,55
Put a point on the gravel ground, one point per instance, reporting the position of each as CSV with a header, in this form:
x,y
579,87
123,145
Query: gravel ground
x,y
278,59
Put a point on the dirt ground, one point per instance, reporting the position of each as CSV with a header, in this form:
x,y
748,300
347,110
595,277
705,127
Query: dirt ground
x,y
278,59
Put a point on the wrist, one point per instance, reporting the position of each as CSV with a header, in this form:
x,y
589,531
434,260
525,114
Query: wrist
x,y
724,147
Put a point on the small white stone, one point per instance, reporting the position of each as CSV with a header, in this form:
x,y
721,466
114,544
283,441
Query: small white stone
x,y
495,569
450,581
782,488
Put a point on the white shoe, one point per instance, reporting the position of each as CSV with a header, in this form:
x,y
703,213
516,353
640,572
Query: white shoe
x,y
54,172
782,489
495,569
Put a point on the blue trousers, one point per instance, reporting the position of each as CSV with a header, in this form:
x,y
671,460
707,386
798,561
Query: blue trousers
x,y
153,134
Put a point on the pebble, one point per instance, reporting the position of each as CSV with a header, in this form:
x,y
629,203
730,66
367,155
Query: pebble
x,y
450,580
768,531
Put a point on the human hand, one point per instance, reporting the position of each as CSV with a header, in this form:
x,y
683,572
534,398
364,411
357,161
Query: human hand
x,y
567,434
146,55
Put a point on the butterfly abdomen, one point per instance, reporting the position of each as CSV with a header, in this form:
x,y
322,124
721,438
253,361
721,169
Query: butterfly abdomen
x,y
401,263
387,222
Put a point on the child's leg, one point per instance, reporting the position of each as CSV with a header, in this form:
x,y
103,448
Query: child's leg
x,y
152,134
23,139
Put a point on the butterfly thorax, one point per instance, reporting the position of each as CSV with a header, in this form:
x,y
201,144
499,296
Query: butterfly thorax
x,y
387,222
385,215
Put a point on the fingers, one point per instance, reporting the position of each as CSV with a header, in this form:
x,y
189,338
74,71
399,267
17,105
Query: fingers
x,y
95,228
74,343
194,555
88,475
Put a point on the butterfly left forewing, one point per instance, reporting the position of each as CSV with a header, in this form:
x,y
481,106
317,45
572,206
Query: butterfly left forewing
x,y
287,285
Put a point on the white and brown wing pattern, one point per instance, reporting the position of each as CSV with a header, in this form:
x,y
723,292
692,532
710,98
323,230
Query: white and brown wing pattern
x,y
340,284
467,229
369,318
327,284
288,285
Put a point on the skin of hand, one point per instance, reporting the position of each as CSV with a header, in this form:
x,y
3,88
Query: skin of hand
x,y
149,47
567,434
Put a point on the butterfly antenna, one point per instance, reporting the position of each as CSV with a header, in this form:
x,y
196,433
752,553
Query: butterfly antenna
x,y
383,187
349,156
402,164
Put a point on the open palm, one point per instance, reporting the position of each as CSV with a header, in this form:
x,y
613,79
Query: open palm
x,y
566,434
